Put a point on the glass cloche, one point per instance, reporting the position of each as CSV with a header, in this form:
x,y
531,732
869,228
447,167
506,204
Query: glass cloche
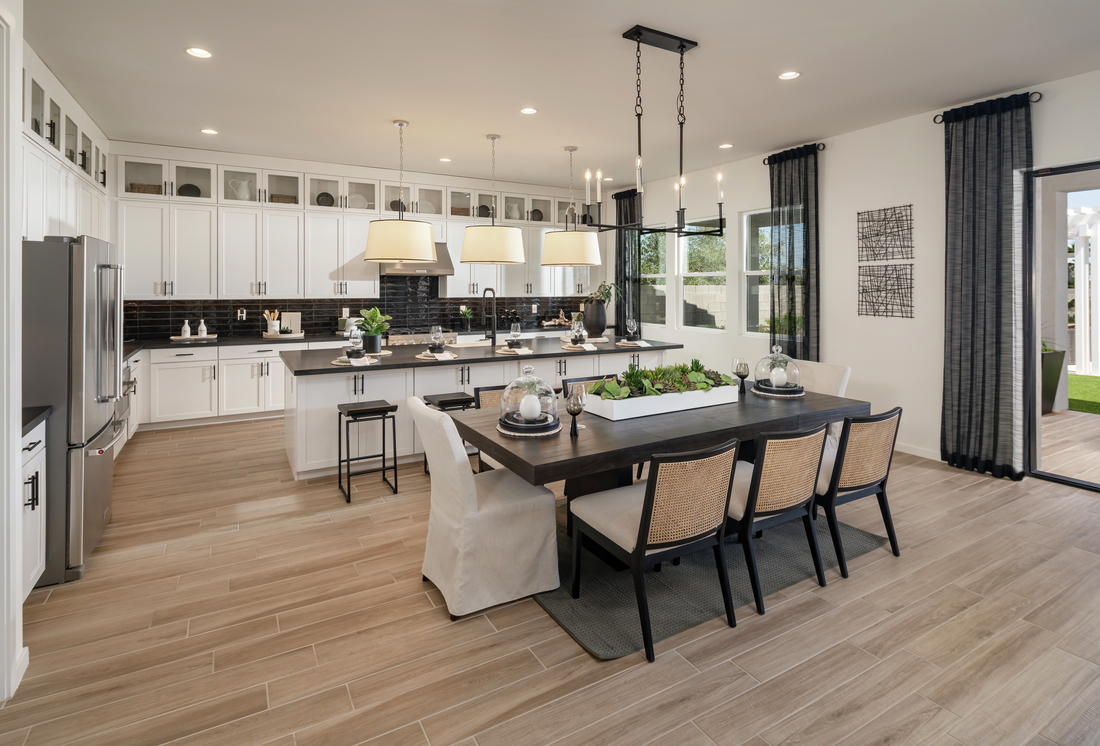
x,y
777,375
529,405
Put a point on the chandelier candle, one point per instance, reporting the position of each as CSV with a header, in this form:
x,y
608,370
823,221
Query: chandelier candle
x,y
599,193
587,187
638,175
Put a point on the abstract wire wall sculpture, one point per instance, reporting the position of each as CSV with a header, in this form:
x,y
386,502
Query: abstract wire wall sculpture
x,y
886,234
886,290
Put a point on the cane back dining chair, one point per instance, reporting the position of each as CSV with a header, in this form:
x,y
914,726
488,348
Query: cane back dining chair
x,y
779,488
861,468
488,397
567,385
680,509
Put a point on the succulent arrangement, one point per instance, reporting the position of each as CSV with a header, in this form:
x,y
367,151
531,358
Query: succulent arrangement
x,y
664,379
466,313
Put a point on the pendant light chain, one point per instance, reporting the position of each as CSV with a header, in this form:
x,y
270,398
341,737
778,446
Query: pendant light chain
x,y
572,204
680,116
401,169
638,99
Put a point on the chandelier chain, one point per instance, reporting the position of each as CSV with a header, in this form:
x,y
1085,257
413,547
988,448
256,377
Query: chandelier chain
x,y
401,167
638,85
572,204
681,118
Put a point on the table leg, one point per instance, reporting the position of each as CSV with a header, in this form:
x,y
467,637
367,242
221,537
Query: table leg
x,y
598,482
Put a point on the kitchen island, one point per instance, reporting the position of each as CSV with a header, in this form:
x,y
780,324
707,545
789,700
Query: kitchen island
x,y
315,386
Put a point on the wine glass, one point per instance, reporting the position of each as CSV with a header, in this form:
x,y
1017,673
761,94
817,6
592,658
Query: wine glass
x,y
577,333
515,333
741,370
437,334
574,405
631,328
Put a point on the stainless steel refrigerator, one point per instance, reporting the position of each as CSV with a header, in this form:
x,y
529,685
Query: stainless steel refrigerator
x,y
72,360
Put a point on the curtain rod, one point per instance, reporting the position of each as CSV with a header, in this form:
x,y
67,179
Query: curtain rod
x,y
820,147
938,119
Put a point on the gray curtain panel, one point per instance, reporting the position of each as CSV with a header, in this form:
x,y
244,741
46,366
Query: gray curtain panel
x,y
795,291
627,260
988,153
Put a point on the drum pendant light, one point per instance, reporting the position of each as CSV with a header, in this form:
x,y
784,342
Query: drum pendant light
x,y
571,248
493,244
400,240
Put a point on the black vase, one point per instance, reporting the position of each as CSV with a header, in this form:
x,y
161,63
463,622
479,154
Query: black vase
x,y
372,342
595,318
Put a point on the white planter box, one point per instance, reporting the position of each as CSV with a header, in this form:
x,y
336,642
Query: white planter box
x,y
644,406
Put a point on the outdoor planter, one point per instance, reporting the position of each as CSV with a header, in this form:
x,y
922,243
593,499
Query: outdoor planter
x,y
1052,376
644,406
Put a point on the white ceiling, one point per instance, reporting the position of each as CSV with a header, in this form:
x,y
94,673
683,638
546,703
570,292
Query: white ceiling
x,y
323,79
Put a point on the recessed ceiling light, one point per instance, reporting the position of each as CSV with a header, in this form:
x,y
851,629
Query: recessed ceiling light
x,y
608,178
198,52
726,145
789,76
208,131
528,110
445,160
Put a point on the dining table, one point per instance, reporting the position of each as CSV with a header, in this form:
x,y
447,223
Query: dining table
x,y
603,455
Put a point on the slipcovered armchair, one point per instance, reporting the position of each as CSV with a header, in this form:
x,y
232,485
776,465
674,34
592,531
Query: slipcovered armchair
x,y
492,537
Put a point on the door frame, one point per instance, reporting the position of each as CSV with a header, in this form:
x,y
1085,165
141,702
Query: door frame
x,y
1032,383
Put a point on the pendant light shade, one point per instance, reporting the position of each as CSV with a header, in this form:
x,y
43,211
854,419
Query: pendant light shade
x,y
492,244
571,249
400,241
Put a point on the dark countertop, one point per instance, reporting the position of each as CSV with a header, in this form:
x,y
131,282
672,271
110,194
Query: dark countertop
x,y
129,348
34,415
318,362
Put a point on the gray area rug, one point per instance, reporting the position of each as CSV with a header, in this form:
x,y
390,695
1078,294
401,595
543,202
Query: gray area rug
x,y
604,620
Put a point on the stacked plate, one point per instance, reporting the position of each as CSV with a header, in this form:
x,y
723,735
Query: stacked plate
x,y
544,424
764,388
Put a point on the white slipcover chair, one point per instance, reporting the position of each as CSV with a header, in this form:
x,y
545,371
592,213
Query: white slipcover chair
x,y
492,537
823,378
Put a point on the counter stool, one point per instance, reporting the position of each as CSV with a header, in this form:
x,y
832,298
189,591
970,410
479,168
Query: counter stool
x,y
459,400
356,414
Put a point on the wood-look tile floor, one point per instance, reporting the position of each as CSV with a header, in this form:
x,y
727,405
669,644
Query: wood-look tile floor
x,y
1071,445
229,604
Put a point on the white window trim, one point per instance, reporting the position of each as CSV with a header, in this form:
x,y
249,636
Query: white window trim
x,y
668,291
744,273
681,256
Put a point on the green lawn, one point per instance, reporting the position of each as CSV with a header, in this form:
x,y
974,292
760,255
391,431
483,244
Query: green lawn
x,y
1084,393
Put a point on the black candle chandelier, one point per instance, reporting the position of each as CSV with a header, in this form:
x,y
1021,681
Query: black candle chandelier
x,y
641,35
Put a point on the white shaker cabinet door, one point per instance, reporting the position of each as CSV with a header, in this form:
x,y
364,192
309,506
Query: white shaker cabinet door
x,y
184,391
55,188
34,520
316,412
34,193
87,210
240,252
360,277
143,245
241,386
284,254
274,385
193,256
69,204
323,254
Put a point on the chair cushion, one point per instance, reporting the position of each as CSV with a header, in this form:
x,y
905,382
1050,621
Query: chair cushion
x,y
367,408
502,489
615,513
828,460
739,495
453,400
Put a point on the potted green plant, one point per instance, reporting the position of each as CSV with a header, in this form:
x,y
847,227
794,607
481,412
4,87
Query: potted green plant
x,y
1053,365
467,315
374,324
595,308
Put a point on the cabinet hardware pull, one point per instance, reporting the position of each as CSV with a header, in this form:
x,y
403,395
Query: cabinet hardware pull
x,y
267,369
32,446
259,351
184,354
166,189
172,191
33,482
355,384
214,368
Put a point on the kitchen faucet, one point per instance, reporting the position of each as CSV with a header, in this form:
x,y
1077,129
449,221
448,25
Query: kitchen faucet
x,y
492,333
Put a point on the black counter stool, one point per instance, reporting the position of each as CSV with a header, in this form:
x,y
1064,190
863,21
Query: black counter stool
x,y
356,414
459,400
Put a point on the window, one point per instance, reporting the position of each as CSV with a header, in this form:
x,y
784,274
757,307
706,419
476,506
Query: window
x,y
654,278
757,267
703,278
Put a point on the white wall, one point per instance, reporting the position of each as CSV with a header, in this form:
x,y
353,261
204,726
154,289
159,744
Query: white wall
x,y
894,361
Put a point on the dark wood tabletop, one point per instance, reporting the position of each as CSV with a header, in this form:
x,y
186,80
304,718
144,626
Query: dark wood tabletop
x,y
606,445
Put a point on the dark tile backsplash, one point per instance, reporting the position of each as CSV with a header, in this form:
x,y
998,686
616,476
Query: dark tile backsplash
x,y
412,301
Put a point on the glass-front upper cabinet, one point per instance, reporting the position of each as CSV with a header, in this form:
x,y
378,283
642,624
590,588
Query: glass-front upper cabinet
x,y
324,192
430,201
70,140
396,197
460,203
192,182
541,210
282,189
53,126
240,185
562,210
38,109
95,167
515,209
142,178
103,169
85,159
361,195
486,204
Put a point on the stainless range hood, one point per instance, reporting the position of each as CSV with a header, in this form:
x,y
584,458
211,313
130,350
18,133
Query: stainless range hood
x,y
441,267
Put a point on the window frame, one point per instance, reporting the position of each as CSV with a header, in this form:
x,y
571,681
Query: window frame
x,y
745,273
664,277
681,273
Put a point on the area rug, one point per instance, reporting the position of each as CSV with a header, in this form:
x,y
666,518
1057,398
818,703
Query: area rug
x,y
604,620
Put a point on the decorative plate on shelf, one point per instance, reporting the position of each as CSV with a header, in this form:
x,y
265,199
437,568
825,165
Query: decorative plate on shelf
x,y
324,199
427,207
536,215
483,211
188,190
357,202
397,206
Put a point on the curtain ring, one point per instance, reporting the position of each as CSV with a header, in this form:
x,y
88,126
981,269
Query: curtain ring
x,y
938,119
820,146
765,161
1034,100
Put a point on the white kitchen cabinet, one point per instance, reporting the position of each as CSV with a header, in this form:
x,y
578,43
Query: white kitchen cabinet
x,y
261,253
455,378
87,210
335,246
360,277
531,279
241,386
616,363
527,209
169,250
185,179
160,179
139,402
469,279
347,192
238,185
54,196
34,507
274,384
70,205
184,391
427,201
34,192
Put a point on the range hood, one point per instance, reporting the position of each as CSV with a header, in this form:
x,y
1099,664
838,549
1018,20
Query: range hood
x,y
441,267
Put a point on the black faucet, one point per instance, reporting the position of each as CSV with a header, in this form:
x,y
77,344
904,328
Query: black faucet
x,y
492,333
